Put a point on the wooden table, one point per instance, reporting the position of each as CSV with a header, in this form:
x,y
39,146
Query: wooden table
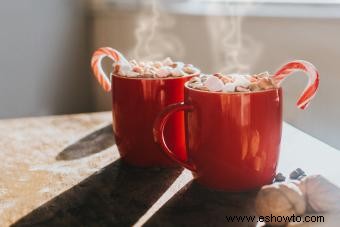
x,y
66,171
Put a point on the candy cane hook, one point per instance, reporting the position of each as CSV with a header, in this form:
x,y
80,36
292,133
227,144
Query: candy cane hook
x,y
96,65
313,79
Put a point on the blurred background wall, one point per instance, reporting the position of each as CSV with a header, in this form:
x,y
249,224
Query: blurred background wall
x,y
45,55
44,58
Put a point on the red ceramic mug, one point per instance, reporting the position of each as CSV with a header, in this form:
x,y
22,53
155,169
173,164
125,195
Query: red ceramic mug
x,y
233,139
136,102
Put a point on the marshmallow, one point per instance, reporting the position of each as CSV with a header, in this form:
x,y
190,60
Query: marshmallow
x,y
177,72
263,74
179,64
229,87
138,69
163,73
158,64
241,80
167,61
197,85
131,74
214,84
266,83
125,68
189,69
241,89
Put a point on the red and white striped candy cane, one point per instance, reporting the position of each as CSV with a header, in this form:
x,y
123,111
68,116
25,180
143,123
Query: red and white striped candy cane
x,y
96,64
313,79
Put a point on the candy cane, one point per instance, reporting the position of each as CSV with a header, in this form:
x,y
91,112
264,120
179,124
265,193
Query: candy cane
x,y
313,79
96,65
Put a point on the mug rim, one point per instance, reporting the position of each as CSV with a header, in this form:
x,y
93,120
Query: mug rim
x,y
230,93
155,78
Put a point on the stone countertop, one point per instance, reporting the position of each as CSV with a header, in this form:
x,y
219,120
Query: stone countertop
x,y
66,171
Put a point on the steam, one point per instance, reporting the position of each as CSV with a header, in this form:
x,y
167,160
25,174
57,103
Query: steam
x,y
233,51
154,41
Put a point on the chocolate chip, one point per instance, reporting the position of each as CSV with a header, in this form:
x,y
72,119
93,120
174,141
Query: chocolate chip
x,y
297,174
279,177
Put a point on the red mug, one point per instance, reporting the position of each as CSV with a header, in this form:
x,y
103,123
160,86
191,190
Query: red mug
x,y
136,102
233,139
135,106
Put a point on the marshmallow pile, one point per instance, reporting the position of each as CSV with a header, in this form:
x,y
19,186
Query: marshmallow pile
x,y
156,69
233,82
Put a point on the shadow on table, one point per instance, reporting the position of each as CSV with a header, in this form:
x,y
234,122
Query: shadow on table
x,y
93,143
118,195
195,205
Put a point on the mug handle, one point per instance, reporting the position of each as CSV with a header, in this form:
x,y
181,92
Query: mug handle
x,y
158,131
